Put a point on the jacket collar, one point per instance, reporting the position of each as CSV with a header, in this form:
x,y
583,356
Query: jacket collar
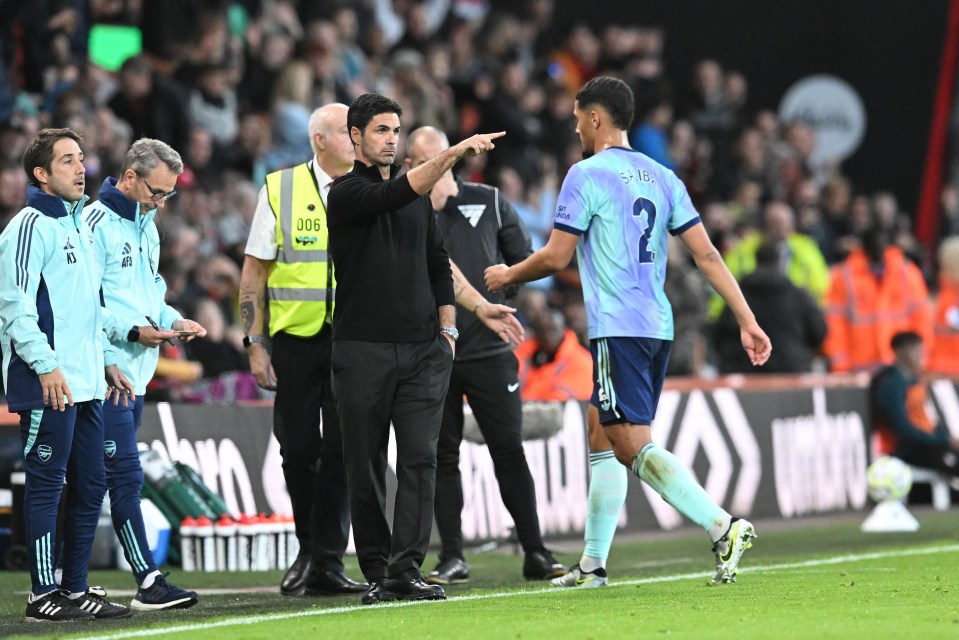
x,y
117,201
48,205
370,171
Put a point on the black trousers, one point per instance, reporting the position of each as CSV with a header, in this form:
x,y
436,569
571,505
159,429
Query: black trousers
x,y
492,389
377,383
312,460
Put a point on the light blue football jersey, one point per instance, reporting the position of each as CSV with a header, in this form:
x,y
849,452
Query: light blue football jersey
x,y
621,203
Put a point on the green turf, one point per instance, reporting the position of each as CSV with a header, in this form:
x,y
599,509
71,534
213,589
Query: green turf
x,y
803,579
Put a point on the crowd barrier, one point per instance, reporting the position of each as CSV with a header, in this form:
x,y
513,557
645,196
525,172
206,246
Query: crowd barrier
x,y
781,447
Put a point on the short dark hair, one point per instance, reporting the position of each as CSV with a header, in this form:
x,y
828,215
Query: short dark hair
x,y
612,94
368,106
768,255
905,339
39,152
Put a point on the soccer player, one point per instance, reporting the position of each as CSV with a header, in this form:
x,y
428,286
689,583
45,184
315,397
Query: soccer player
x,y
614,210
126,245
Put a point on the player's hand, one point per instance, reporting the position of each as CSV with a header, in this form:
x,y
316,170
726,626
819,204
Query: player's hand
x,y
118,386
479,144
189,325
495,277
756,343
261,367
500,319
56,391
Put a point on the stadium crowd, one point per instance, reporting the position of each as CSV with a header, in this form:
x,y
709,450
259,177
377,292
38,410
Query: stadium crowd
x,y
231,85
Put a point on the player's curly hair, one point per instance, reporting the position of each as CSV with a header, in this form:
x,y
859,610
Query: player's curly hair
x,y
613,95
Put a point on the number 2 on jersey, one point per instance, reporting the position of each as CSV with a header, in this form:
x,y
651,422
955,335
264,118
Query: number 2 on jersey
x,y
641,206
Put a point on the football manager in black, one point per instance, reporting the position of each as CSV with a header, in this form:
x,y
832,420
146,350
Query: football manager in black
x,y
480,228
394,337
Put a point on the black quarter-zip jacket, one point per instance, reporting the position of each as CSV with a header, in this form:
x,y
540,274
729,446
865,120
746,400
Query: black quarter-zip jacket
x,y
391,266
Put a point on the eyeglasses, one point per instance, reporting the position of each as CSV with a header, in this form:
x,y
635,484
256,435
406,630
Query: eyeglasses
x,y
157,195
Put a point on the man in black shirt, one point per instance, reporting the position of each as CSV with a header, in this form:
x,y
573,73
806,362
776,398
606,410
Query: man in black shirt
x,y
393,342
481,228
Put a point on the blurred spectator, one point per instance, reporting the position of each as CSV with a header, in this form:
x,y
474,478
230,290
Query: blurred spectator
x,y
13,191
799,255
212,103
900,419
944,351
149,105
873,294
836,228
792,319
553,365
651,135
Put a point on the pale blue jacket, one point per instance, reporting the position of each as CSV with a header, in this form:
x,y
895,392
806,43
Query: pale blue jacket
x,y
127,249
50,313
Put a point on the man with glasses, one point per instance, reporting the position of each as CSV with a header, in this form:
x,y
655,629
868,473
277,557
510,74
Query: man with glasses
x,y
127,248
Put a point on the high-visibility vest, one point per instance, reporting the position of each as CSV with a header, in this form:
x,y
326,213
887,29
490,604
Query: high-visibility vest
x,y
300,288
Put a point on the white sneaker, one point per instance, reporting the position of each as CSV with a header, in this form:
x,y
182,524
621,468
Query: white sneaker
x,y
730,548
576,577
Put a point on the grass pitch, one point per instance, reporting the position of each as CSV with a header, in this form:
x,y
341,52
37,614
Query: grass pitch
x,y
818,578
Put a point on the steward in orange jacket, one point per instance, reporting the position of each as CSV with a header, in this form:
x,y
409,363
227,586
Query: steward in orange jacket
x,y
869,301
553,365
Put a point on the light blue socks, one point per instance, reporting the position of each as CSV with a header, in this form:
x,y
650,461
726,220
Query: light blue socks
x,y
607,493
663,471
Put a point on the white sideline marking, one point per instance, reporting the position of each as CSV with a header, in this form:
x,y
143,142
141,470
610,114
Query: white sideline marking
x,y
232,622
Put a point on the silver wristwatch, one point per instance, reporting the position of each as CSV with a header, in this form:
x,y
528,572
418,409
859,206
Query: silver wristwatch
x,y
452,332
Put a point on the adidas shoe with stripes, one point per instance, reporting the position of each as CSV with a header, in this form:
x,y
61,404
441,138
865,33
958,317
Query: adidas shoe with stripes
x,y
94,601
55,607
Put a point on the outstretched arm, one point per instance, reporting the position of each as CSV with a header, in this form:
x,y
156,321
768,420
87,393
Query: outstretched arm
x,y
554,256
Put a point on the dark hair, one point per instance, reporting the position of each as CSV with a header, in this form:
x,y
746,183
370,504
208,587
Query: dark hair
x,y
368,106
905,339
768,255
612,94
39,152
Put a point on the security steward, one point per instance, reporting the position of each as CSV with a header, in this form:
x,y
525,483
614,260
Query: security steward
x,y
287,263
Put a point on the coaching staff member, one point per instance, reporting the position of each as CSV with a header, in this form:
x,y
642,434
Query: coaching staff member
x,y
393,342
287,264
481,228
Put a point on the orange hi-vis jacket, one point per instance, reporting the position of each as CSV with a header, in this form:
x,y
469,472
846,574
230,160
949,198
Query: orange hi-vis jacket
x,y
864,311
944,351
568,376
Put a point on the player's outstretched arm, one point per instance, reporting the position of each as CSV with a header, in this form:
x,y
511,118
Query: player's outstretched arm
x,y
710,262
554,256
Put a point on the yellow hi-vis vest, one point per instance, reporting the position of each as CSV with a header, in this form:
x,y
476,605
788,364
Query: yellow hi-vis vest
x,y
300,287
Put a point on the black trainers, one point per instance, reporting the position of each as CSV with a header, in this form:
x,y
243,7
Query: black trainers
x,y
93,602
541,565
450,571
163,595
56,607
